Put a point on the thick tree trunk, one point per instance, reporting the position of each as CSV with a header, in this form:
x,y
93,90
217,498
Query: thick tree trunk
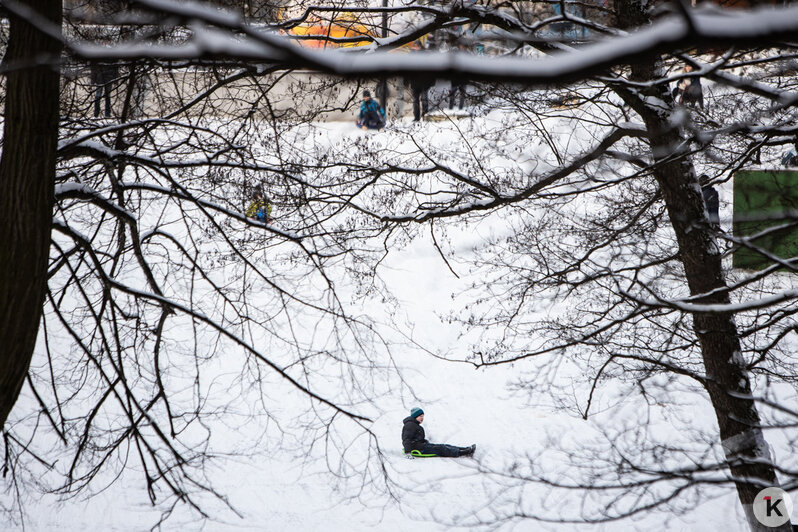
x,y
27,178
728,384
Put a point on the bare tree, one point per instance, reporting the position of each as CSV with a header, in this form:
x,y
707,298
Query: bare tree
x,y
27,176
652,304
165,307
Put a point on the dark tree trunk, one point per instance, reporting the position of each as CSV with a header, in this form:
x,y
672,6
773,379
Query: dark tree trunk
x,y
728,384
27,179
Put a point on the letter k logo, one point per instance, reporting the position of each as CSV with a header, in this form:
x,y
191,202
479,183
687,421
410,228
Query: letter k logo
x,y
773,507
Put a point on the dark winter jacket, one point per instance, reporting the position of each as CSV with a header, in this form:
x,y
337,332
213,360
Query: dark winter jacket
x,y
690,92
712,202
104,73
413,437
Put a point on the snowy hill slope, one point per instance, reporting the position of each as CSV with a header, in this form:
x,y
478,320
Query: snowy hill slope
x,y
279,485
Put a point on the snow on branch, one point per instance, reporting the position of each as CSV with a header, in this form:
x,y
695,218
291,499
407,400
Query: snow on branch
x,y
86,193
724,308
231,37
176,306
496,200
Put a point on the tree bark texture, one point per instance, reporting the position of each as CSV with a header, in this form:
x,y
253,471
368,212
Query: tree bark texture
x,y
728,384
27,180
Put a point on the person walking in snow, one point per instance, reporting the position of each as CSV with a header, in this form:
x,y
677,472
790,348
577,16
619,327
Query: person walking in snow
x,y
420,94
103,76
458,87
372,115
414,439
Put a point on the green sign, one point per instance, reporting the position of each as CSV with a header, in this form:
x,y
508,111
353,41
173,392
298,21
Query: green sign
x,y
766,212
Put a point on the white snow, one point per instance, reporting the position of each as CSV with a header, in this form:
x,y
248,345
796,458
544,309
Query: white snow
x,y
275,483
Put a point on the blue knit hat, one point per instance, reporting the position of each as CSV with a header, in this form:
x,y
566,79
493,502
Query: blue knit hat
x,y
416,411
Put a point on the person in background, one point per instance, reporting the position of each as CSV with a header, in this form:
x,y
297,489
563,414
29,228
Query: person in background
x,y
420,90
688,91
103,76
414,439
710,195
458,87
260,209
372,115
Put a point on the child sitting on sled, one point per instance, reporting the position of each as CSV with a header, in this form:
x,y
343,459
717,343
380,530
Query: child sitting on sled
x,y
415,443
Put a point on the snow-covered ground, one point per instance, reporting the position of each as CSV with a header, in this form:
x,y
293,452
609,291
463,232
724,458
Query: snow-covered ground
x,y
462,405
281,490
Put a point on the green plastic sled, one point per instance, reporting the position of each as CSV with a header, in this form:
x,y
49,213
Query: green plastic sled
x,y
418,454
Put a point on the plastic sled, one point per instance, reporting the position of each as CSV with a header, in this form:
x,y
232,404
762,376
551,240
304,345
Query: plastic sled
x,y
418,454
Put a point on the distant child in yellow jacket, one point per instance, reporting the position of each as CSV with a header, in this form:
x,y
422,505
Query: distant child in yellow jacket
x,y
260,209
